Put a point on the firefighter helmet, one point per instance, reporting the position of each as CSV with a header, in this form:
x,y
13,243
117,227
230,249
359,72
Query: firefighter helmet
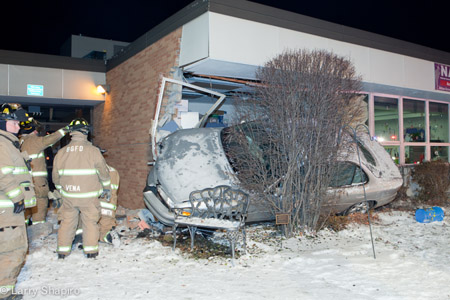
x,y
13,111
30,125
79,124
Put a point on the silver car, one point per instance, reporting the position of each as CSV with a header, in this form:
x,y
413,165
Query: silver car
x,y
195,159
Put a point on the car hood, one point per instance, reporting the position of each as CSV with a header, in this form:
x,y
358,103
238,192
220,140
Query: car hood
x,y
192,159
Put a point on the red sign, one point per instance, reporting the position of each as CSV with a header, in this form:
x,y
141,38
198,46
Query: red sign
x,y
442,77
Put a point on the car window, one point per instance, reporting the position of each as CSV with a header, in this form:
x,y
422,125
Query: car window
x,y
366,153
348,174
254,136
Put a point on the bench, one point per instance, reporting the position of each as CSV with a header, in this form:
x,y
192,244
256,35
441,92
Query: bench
x,y
221,207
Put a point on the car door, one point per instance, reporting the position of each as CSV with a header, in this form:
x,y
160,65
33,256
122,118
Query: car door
x,y
346,187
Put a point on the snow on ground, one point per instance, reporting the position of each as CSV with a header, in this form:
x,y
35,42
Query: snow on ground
x,y
412,262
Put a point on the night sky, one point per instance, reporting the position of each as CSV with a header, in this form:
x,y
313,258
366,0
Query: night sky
x,y
43,26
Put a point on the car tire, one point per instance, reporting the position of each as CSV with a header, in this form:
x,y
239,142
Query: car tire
x,y
361,207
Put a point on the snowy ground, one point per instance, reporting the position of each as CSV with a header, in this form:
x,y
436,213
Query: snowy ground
x,y
412,262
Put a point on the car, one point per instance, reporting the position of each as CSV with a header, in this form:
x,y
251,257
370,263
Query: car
x,y
195,159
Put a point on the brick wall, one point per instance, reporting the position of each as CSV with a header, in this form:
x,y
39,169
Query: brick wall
x,y
122,123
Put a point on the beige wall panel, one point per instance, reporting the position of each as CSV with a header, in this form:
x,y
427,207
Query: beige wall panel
x,y
241,41
20,76
386,68
290,39
82,85
195,40
415,69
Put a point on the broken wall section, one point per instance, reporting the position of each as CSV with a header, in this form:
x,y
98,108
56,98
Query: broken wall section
x,y
122,123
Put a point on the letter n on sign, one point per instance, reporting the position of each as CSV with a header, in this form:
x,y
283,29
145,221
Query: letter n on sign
x,y
282,219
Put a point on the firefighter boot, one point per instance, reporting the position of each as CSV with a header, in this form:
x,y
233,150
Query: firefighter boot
x,y
113,238
91,255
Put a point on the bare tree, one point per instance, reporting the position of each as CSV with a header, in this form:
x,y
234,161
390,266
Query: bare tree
x,y
286,152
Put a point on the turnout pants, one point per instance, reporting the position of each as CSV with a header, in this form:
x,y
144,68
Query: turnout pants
x,y
39,212
13,249
88,210
108,216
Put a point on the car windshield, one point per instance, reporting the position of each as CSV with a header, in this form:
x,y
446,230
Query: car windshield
x,y
254,136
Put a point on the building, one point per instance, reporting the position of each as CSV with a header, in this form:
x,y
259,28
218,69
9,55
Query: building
x,y
89,47
218,44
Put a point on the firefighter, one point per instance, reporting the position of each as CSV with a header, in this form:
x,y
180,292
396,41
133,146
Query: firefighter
x,y
82,177
107,222
16,193
34,145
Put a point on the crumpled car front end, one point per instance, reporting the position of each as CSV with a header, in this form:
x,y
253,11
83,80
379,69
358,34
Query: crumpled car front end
x,y
188,160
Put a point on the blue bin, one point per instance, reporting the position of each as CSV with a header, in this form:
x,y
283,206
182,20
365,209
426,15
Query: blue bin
x,y
428,215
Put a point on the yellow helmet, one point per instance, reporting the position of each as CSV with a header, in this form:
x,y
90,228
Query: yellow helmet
x,y
30,125
13,111
79,124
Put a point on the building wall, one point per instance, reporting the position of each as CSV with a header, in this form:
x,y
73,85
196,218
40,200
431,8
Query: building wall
x,y
57,83
80,46
250,43
195,42
122,123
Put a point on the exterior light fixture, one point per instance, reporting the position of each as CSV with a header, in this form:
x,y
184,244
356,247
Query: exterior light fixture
x,y
103,88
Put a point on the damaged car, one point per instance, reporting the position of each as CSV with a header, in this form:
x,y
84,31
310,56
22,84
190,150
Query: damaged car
x,y
195,159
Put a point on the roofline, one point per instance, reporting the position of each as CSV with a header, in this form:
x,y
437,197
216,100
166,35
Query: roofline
x,y
51,61
185,15
277,17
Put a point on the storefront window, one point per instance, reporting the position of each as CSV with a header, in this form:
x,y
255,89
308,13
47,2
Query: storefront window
x,y
386,119
424,123
438,123
414,121
439,153
394,153
414,154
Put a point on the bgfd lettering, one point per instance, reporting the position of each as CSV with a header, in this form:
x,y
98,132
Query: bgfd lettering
x,y
74,149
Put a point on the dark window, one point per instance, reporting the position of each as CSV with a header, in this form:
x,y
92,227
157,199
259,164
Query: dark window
x,y
348,174
367,155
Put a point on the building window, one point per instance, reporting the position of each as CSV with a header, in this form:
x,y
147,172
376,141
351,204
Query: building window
x,y
394,152
438,122
414,121
410,130
386,119
439,153
414,154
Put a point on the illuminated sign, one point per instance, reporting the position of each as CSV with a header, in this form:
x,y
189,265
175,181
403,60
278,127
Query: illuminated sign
x,y
35,90
442,77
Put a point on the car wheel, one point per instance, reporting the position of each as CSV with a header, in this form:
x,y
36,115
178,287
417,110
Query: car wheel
x,y
361,207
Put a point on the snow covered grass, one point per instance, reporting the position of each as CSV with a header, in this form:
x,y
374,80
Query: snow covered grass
x,y
412,262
